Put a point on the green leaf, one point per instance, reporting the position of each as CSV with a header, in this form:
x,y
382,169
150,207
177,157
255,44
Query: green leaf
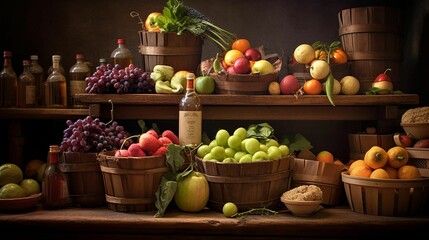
x,y
296,143
142,125
261,131
164,194
174,157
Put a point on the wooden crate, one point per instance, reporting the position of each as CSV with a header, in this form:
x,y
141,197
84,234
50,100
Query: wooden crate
x,y
359,144
372,39
248,185
326,176
419,157
182,52
84,179
386,197
131,182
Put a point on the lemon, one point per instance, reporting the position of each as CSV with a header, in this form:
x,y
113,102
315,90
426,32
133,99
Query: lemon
x,y
337,87
30,186
304,53
10,173
349,85
319,69
12,190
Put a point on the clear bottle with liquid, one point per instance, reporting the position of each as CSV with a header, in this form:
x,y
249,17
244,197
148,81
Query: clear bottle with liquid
x,y
78,73
8,82
190,115
39,76
121,55
56,86
51,68
55,192
26,87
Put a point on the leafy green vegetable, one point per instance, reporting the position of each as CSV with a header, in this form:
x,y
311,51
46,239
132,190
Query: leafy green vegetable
x,y
179,18
261,131
375,90
296,143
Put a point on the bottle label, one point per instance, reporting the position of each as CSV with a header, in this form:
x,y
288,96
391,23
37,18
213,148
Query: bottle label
x,y
30,95
190,125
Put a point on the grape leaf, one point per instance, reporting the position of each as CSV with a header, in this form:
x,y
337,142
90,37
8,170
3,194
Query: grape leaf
x,y
261,131
164,194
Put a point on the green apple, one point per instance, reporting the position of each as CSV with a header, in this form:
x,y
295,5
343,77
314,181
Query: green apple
x,y
213,143
262,67
263,147
260,156
208,157
229,152
285,150
221,137
218,153
246,158
229,160
205,85
240,132
252,145
272,142
203,150
192,192
274,152
238,155
234,141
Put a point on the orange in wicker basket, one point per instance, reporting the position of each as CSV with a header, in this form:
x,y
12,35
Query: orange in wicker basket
x,y
386,197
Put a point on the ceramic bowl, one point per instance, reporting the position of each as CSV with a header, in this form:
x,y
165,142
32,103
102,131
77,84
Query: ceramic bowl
x,y
17,204
302,208
416,130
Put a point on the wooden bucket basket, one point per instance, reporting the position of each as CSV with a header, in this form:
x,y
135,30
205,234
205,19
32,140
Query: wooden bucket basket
x,y
372,39
182,52
248,185
359,144
386,197
131,182
324,175
84,179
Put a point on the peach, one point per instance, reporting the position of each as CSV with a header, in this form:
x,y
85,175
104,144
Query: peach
x,y
379,173
361,171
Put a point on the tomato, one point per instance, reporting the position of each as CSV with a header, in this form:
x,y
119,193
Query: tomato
x,y
338,56
150,23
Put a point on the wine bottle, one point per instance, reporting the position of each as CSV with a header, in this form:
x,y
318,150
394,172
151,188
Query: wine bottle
x,y
190,115
8,82
78,73
56,86
26,87
55,192
121,55
39,76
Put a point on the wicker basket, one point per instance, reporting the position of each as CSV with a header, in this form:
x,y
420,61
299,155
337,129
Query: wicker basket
x,y
371,37
324,175
182,52
386,197
248,185
131,182
85,182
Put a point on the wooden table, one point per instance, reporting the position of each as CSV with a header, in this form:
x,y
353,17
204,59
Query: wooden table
x,y
103,223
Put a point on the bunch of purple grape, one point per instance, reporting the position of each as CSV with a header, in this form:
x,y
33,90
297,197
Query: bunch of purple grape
x,y
92,135
109,79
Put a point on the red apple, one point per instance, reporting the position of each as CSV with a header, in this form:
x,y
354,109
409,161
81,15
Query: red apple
x,y
230,70
402,140
289,85
383,76
241,65
253,54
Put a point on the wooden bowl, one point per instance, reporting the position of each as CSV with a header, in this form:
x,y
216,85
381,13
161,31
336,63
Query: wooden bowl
x,y
302,208
16,204
416,130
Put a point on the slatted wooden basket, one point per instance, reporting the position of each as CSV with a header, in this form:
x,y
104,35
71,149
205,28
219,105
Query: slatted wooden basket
x,y
386,197
84,179
182,52
372,39
248,185
131,182
327,176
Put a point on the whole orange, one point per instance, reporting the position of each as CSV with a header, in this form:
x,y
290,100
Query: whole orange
x,y
312,87
241,45
325,156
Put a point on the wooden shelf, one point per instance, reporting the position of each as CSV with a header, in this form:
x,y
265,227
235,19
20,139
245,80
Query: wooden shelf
x,y
102,223
42,113
252,107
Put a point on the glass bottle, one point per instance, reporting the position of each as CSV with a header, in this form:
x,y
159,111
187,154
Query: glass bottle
x,y
78,73
55,192
121,55
39,76
26,87
56,86
190,115
102,62
8,82
51,68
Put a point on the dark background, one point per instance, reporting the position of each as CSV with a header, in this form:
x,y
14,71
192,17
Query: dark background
x,y
47,27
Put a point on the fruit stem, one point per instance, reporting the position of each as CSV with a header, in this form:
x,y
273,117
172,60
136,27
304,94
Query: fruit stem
x,y
388,69
111,112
